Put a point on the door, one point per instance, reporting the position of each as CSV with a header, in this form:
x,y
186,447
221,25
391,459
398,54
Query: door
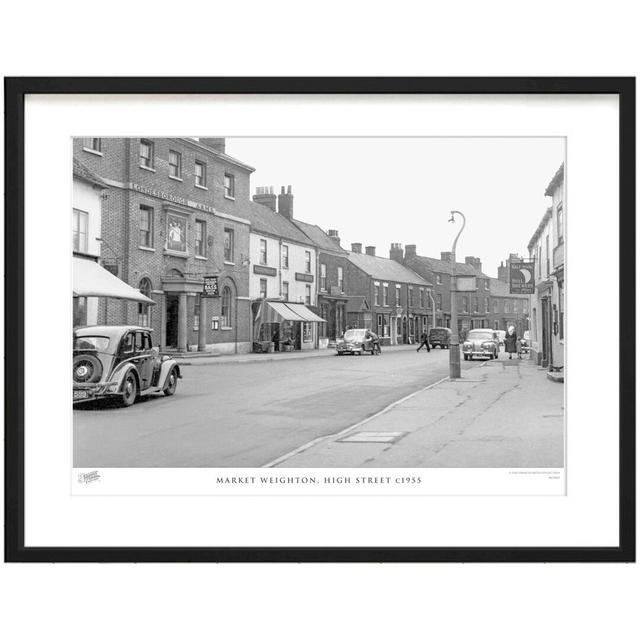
x,y
545,332
144,359
173,304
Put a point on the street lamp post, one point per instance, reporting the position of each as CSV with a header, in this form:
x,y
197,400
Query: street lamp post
x,y
454,346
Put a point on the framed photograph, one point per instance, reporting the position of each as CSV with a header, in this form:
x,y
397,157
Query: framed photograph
x,y
320,319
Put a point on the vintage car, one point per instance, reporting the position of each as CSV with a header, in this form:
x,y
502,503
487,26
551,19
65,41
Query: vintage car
x,y
482,343
439,337
358,341
119,362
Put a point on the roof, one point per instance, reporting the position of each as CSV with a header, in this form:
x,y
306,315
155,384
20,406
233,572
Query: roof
x,y
543,223
500,289
555,181
223,156
84,173
265,220
319,237
356,304
385,269
444,266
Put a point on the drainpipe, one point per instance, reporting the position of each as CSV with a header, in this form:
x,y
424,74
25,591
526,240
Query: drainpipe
x,y
433,306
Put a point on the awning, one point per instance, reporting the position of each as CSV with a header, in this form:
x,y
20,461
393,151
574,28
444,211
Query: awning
x,y
279,311
91,280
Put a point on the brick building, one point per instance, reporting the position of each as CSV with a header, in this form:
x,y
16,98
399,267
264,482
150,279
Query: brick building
x,y
394,299
175,212
473,307
333,303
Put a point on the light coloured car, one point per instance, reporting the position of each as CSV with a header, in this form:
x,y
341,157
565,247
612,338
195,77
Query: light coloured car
x,y
481,343
358,341
120,362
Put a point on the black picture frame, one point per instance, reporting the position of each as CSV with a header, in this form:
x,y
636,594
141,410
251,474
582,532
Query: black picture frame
x,y
16,89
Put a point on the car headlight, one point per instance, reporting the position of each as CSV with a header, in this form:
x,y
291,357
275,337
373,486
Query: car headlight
x,y
487,345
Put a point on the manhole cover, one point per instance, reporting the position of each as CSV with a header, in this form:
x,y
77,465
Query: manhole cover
x,y
381,437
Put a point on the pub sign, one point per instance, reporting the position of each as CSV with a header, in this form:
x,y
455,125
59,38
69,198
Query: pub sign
x,y
211,287
521,277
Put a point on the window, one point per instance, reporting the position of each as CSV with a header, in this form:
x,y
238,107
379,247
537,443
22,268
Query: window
x,y
495,306
438,302
465,304
323,277
146,226
201,174
228,245
146,154
175,164
144,310
285,256
225,307
176,233
196,313
307,261
379,325
201,234
80,230
398,295
506,306
376,300
515,307
486,285
385,294
307,294
486,305
263,287
422,304
229,186
546,251
285,291
410,297
92,144
560,223
438,278
476,307
340,279
307,334
263,252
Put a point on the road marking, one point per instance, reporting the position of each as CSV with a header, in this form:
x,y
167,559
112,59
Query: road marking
x,y
315,441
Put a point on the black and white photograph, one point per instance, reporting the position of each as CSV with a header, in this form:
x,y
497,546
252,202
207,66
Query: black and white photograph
x,y
352,302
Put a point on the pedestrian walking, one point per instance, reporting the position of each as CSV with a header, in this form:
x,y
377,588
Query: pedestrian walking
x,y
511,342
424,342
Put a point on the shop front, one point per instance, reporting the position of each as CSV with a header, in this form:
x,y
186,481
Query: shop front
x,y
285,326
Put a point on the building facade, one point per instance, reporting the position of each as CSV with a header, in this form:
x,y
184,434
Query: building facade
x,y
392,300
87,197
283,270
175,213
546,247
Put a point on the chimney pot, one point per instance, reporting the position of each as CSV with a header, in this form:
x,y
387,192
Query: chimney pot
x,y
285,203
265,198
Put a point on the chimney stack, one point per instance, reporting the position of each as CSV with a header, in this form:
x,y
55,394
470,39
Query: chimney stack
x,y
474,262
396,253
503,272
446,256
356,247
410,251
265,196
333,234
371,251
217,144
285,203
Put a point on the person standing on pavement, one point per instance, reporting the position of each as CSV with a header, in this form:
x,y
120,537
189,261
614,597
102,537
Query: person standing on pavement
x,y
424,342
511,342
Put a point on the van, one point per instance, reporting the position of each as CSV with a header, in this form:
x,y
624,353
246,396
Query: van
x,y
439,337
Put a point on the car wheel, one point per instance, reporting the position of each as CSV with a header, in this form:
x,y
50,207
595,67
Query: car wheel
x,y
86,368
129,390
172,383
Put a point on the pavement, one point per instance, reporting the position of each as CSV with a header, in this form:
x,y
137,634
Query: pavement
x,y
503,413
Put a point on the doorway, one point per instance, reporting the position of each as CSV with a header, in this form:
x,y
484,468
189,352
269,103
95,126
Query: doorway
x,y
173,305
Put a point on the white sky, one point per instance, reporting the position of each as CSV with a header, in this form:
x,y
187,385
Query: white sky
x,y
382,190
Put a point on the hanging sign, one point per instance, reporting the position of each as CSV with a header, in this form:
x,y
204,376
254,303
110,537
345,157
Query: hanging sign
x,y
521,277
211,287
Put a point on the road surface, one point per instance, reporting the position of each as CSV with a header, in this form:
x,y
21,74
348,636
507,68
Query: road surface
x,y
248,414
